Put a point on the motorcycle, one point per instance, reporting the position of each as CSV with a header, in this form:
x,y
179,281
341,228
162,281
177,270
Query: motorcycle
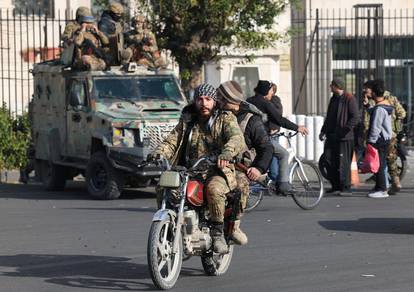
x,y
181,229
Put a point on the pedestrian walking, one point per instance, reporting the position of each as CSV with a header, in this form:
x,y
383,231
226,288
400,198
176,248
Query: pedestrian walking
x,y
338,129
379,135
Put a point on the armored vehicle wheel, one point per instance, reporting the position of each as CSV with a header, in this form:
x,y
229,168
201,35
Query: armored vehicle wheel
x,y
103,181
53,176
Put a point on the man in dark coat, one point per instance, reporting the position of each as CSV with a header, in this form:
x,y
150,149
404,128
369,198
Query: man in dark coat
x,y
338,129
262,100
231,98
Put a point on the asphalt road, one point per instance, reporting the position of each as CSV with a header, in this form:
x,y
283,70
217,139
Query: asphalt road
x,y
67,242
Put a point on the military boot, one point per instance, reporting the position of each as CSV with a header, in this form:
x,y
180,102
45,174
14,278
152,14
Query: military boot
x,y
238,236
395,185
219,242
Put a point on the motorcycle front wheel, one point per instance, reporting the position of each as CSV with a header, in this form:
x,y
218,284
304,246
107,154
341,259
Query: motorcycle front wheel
x,y
164,265
216,264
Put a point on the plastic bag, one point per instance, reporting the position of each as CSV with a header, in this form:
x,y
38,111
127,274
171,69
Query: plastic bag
x,y
371,161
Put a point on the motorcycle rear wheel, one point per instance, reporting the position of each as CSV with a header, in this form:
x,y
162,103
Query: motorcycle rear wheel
x,y
164,266
402,167
215,264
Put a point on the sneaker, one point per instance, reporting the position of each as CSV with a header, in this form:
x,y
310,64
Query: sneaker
x,y
238,236
378,195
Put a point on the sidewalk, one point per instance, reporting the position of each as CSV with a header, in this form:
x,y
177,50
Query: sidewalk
x,y
10,176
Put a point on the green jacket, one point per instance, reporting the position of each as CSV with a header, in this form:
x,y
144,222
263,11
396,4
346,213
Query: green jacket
x,y
222,137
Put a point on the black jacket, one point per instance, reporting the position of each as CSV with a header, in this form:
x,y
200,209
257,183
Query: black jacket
x,y
276,101
341,118
256,137
275,119
107,25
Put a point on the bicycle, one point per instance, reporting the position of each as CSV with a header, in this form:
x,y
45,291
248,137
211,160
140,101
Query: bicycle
x,y
304,175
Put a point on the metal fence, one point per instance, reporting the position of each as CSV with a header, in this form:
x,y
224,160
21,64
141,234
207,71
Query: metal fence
x,y
356,45
26,37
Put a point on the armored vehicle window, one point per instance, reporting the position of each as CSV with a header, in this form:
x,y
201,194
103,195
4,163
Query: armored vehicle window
x,y
77,96
142,88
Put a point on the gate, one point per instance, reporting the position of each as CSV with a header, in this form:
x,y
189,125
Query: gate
x,y
355,45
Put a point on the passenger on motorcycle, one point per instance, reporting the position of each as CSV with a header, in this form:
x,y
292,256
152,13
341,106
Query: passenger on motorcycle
x,y
205,129
259,151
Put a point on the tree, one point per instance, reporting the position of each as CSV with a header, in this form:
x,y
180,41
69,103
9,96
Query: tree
x,y
196,31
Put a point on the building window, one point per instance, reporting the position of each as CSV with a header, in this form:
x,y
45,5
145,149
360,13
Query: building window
x,y
247,77
34,7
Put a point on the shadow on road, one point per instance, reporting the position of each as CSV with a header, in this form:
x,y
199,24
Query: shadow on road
x,y
372,225
73,191
81,271
149,210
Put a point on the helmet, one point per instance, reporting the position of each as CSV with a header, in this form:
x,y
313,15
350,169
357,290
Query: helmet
x,y
87,19
82,11
116,8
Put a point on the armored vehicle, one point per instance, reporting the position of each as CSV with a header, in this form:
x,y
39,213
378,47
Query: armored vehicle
x,y
101,124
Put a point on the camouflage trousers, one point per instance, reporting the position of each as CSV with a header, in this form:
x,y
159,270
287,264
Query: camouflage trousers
x,y
217,188
93,63
392,158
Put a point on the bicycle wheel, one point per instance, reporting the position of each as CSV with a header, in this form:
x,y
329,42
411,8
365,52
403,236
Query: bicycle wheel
x,y
256,192
307,181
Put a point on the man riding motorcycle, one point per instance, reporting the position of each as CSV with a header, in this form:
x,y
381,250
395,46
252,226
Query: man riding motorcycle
x,y
204,129
259,150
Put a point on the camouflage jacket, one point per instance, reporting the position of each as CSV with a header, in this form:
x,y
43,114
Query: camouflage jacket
x,y
397,116
69,32
220,135
97,38
144,37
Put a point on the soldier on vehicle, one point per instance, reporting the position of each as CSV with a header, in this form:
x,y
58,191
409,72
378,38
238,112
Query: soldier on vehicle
x,y
142,44
259,150
397,117
112,25
73,26
89,41
208,130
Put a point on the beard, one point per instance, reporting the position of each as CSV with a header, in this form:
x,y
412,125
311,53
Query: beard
x,y
205,112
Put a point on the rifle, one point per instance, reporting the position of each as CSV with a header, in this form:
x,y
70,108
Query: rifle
x,y
140,45
88,44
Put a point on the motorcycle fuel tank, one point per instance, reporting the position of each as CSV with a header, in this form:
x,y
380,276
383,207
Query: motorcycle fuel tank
x,y
195,193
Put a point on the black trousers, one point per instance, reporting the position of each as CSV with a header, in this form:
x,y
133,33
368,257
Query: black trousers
x,y
339,156
382,176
